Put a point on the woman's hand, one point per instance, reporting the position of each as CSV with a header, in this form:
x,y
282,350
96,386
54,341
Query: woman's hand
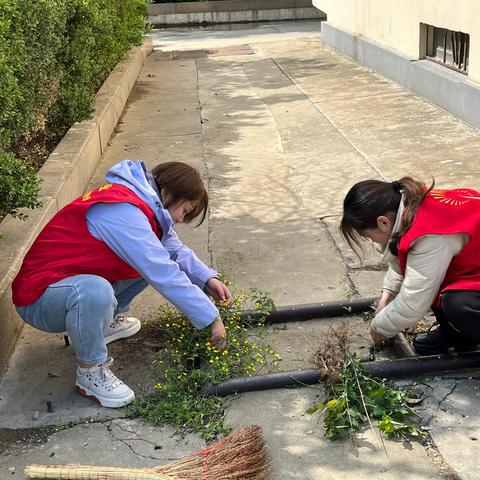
x,y
218,290
219,334
378,338
385,299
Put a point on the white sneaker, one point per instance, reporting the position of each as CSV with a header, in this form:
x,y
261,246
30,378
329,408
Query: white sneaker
x,y
122,327
102,386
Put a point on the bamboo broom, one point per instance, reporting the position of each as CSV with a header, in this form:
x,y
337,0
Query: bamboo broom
x,y
239,456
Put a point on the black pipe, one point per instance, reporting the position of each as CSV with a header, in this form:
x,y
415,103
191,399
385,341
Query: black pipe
x,y
264,382
423,365
403,348
404,367
308,311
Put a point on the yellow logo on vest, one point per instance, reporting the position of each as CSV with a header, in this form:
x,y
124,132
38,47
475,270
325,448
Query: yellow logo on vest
x,y
456,197
88,195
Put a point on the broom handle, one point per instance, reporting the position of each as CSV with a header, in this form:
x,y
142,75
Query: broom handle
x,y
79,472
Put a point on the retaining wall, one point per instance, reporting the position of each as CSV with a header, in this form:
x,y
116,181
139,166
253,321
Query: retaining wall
x,y
65,176
231,11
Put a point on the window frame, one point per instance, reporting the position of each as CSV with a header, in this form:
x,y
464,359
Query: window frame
x,y
454,51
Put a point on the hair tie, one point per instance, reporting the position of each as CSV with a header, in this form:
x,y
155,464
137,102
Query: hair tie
x,y
397,186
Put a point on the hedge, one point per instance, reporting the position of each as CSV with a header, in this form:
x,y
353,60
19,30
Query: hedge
x,y
177,1
54,55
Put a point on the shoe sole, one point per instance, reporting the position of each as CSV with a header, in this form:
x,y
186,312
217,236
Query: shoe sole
x,y
450,350
426,353
124,333
105,402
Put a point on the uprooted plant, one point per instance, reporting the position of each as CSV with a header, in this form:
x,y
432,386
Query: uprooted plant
x,y
353,398
189,361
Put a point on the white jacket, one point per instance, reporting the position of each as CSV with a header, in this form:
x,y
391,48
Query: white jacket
x,y
428,260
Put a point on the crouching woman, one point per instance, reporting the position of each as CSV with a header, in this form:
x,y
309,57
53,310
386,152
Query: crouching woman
x,y
430,239
101,250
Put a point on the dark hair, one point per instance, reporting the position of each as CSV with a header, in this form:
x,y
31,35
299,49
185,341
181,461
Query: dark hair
x,y
182,182
370,199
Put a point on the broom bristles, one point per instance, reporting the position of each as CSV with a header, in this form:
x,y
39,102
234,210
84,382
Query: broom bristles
x,y
240,455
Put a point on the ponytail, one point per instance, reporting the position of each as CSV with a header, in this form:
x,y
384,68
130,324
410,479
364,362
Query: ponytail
x,y
370,199
413,194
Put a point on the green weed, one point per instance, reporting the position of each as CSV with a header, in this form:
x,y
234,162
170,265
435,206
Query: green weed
x,y
353,398
190,361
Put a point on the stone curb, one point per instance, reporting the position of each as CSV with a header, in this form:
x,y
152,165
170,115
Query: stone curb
x,y
65,176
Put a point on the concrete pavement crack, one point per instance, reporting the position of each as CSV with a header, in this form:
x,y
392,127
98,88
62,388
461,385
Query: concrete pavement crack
x,y
331,239
447,395
350,282
426,423
290,169
138,439
205,164
329,120
330,215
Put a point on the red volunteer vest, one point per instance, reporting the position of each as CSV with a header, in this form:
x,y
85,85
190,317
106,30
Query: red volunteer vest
x,y
66,248
445,212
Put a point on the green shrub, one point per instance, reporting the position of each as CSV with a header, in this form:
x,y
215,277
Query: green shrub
x,y
54,55
177,1
18,186
99,33
9,59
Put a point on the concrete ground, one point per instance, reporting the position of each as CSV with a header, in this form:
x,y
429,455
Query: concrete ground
x,y
281,126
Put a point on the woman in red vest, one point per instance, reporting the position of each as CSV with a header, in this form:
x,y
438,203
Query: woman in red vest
x,y
101,250
430,239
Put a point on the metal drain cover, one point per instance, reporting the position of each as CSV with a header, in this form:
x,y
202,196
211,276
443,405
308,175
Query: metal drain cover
x,y
213,52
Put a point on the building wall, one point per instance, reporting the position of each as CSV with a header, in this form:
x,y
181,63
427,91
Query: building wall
x,y
396,23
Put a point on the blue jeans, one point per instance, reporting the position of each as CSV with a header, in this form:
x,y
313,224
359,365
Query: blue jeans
x,y
83,306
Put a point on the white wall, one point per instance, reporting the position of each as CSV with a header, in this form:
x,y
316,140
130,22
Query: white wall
x,y
396,23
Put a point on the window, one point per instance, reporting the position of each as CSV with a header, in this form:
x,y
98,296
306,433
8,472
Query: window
x,y
448,47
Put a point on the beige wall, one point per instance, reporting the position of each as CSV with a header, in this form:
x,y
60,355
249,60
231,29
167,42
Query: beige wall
x,y
396,23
